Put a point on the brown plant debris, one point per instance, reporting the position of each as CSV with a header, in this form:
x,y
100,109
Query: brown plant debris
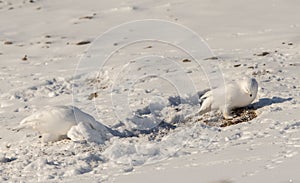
x,y
186,60
86,17
25,58
211,58
263,54
240,115
8,42
93,95
83,42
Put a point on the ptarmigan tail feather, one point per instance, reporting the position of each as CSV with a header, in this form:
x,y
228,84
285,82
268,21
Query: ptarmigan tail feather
x,y
206,103
203,111
28,122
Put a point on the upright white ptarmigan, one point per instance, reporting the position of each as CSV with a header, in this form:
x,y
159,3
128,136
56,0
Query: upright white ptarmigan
x,y
55,122
233,95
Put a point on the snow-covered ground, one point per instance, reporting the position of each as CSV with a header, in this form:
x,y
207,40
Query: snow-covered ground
x,y
146,92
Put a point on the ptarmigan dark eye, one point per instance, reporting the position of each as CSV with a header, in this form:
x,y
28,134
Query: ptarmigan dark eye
x,y
250,95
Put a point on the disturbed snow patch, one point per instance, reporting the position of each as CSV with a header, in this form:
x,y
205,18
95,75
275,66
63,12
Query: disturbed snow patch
x,y
118,154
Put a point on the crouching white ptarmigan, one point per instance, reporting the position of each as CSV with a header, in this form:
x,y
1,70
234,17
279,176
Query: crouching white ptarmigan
x,y
237,94
57,122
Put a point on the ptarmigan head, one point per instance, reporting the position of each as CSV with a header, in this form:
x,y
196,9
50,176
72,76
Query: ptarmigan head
x,y
250,87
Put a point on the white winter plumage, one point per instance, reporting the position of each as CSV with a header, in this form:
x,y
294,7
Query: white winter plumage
x,y
56,122
236,94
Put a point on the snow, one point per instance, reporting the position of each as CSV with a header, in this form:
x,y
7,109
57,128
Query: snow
x,y
139,105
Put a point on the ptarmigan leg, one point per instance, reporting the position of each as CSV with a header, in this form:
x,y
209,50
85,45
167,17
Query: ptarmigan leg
x,y
227,114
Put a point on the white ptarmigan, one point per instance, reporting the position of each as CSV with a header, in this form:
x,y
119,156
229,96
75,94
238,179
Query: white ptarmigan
x,y
56,122
233,95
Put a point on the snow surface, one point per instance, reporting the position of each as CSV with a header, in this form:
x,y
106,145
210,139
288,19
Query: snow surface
x,y
147,92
